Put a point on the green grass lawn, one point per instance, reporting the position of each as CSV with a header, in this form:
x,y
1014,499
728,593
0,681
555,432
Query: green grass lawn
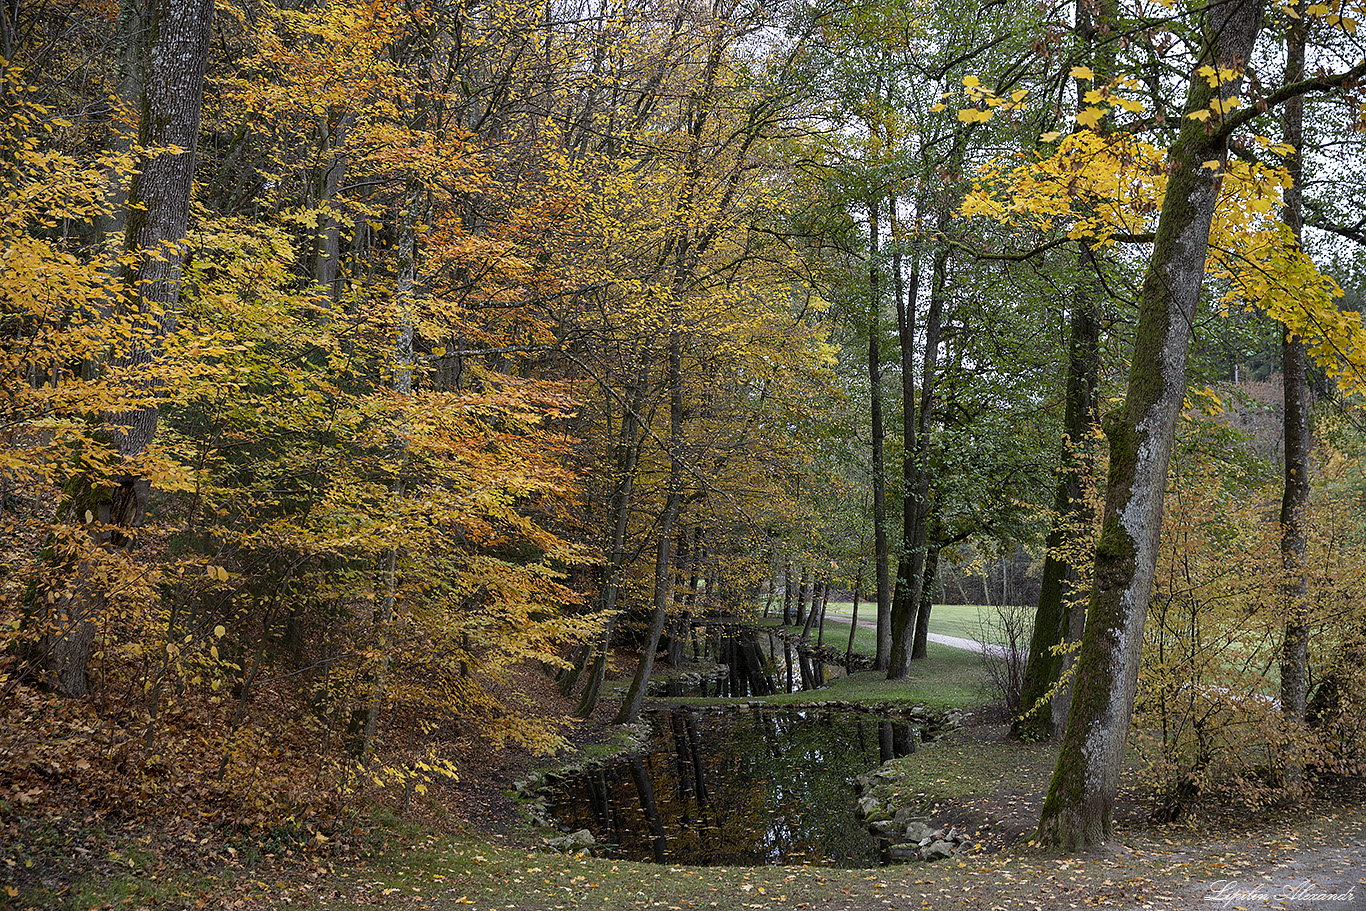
x,y
947,678
961,620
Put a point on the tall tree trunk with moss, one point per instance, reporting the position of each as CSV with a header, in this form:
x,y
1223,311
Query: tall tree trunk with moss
x,y
1298,439
1078,811
1045,695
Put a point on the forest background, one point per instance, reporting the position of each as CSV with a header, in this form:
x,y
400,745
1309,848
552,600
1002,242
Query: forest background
x,y
358,354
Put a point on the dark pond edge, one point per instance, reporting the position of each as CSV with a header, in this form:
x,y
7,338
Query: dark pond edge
x,y
534,792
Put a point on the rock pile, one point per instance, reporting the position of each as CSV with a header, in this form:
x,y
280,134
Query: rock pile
x,y
909,837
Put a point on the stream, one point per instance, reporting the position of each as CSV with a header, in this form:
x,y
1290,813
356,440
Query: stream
x,y
741,787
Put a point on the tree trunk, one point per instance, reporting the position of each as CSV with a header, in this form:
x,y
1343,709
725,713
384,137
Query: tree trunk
x,y
635,696
853,617
820,622
925,594
1043,702
177,53
884,582
1078,811
906,645
171,60
403,385
787,593
626,457
1298,440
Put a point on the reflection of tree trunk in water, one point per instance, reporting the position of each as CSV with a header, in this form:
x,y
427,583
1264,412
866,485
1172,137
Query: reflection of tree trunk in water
x,y
601,796
759,684
645,787
787,651
886,749
680,732
699,783
862,736
903,739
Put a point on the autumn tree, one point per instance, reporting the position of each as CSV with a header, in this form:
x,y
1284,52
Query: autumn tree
x,y
173,53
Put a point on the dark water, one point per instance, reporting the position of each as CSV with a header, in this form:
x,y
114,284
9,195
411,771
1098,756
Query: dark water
x,y
745,788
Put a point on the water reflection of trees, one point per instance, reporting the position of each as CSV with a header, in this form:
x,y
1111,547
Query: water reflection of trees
x,y
745,788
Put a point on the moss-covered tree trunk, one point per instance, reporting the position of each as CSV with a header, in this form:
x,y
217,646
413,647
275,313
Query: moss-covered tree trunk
x,y
1043,701
1045,696
1078,811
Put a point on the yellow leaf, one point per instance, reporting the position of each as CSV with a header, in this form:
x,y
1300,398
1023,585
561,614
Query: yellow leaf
x,y
219,631
1050,136
1090,117
971,82
1081,72
972,115
1211,165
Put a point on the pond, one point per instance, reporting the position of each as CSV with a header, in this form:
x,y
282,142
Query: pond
x,y
741,787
